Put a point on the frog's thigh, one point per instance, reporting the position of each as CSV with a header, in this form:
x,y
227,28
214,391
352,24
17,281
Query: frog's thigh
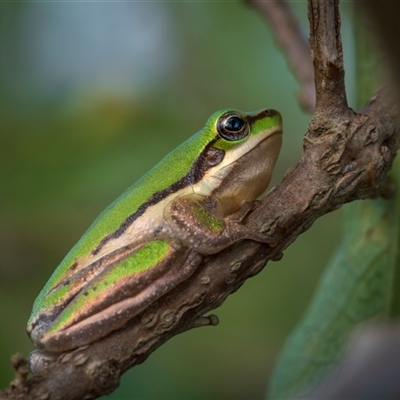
x,y
194,222
191,221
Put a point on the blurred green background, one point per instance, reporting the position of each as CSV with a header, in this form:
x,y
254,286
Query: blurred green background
x,y
93,95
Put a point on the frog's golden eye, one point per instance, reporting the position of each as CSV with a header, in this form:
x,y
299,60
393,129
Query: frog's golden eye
x,y
232,126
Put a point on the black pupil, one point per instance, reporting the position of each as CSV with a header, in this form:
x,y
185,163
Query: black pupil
x,y
234,124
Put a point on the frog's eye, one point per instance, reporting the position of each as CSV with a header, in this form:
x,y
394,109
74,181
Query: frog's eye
x,y
232,126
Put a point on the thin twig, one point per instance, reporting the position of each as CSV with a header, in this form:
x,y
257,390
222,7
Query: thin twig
x,y
288,33
327,55
386,21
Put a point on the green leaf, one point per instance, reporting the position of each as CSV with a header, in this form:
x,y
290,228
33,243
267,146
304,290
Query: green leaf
x,y
361,282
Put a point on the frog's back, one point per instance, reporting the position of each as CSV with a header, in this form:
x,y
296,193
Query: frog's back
x,y
173,169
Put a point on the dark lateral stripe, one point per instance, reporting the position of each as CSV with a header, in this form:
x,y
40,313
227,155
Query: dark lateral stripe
x,y
207,159
262,114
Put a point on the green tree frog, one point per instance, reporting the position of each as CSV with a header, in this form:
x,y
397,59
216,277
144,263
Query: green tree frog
x,y
142,245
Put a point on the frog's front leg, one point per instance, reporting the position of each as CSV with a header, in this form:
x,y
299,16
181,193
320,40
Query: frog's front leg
x,y
196,222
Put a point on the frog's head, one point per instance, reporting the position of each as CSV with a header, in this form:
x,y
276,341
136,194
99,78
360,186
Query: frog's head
x,y
244,149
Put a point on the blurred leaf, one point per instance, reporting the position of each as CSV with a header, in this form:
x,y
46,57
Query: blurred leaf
x,y
357,286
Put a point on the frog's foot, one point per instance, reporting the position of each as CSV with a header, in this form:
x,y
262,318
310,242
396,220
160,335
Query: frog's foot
x,y
40,360
239,216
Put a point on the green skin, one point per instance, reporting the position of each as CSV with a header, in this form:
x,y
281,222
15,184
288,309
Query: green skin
x,y
153,236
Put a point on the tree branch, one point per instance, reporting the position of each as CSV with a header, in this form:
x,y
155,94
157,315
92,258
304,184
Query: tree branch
x,y
289,35
386,20
327,55
346,157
